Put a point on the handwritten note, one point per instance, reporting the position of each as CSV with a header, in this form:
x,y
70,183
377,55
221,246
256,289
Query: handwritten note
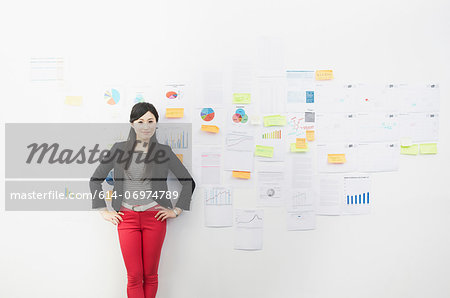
x,y
428,148
241,174
264,151
210,128
322,75
336,158
255,119
409,150
174,112
295,149
310,135
241,98
406,142
73,100
275,120
300,143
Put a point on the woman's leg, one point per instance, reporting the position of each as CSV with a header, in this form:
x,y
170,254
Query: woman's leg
x,y
130,239
153,234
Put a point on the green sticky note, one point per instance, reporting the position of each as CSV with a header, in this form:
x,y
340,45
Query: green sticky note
x,y
265,151
295,149
409,150
240,98
428,148
275,120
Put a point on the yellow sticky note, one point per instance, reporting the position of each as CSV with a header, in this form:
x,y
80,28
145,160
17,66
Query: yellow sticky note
x,y
409,150
336,158
73,100
428,148
275,120
255,120
405,142
295,149
265,151
241,98
241,174
210,128
180,157
300,143
310,135
322,75
174,112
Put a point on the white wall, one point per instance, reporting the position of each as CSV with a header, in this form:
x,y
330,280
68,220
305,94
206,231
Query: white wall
x,y
399,250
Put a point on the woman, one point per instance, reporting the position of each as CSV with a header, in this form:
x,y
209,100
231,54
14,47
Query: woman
x,y
140,198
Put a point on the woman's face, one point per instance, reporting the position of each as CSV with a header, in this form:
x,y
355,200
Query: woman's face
x,y
145,126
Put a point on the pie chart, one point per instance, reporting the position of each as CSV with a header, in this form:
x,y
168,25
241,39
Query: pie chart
x,y
171,95
207,114
112,96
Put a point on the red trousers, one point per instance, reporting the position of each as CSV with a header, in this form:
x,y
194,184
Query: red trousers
x,y
141,238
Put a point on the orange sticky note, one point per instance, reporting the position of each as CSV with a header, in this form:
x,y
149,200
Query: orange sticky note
x,y
180,157
210,128
174,112
241,174
310,135
300,143
322,75
336,158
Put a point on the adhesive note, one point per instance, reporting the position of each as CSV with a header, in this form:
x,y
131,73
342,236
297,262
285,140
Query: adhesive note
x,y
241,174
275,120
310,135
406,142
265,151
180,157
300,143
241,98
174,112
322,75
210,128
255,120
409,150
428,148
73,100
295,149
336,158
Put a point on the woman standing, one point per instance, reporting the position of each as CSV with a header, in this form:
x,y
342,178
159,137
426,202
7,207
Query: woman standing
x,y
140,199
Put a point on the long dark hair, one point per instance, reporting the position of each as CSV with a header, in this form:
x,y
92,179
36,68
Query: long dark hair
x,y
137,111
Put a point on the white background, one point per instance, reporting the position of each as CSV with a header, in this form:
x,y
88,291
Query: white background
x,y
400,250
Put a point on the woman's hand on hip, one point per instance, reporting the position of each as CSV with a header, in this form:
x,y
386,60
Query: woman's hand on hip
x,y
165,213
112,216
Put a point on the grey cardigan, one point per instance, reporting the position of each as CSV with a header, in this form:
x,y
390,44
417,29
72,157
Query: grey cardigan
x,y
162,159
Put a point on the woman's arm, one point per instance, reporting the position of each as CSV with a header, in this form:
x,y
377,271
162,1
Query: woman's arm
x,y
100,174
186,180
